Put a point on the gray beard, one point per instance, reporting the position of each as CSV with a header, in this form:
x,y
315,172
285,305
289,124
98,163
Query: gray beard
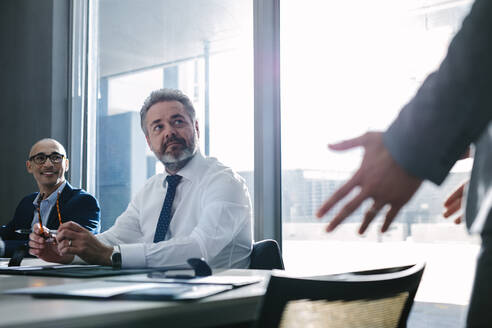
x,y
175,164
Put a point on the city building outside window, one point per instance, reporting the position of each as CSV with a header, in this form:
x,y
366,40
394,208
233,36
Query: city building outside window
x,y
349,67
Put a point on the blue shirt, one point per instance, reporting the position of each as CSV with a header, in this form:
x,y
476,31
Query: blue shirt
x,y
46,206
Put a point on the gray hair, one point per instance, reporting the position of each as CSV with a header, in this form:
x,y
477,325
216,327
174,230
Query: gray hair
x,y
165,94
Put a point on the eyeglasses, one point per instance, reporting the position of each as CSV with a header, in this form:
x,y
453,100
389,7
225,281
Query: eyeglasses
x,y
41,158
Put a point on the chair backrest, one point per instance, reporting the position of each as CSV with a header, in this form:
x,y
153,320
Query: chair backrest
x,y
377,298
266,255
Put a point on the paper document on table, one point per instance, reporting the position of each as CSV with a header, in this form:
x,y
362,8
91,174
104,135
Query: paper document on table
x,y
71,270
91,289
122,290
46,267
160,277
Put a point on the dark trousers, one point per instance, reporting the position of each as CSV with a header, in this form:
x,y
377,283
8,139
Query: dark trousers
x,y
480,309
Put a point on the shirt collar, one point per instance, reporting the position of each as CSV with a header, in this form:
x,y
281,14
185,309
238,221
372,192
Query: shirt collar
x,y
54,195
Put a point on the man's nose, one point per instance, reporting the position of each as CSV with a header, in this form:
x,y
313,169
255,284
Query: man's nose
x,y
170,132
48,163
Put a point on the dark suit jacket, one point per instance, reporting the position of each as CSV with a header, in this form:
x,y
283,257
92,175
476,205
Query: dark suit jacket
x,y
453,106
75,205
452,109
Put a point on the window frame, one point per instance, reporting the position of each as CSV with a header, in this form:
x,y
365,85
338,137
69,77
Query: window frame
x,y
267,161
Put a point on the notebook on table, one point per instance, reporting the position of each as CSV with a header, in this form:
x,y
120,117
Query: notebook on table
x,y
73,271
124,291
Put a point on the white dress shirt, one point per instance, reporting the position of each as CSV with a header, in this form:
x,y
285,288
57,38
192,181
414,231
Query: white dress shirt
x,y
211,219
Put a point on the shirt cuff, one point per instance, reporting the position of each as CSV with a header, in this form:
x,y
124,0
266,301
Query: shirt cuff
x,y
133,256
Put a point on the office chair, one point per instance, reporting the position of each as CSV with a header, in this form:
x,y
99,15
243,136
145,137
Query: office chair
x,y
266,255
377,298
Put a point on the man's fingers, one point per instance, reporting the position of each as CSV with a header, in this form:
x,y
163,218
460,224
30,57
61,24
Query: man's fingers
x,y
347,144
452,208
458,219
369,216
68,246
36,245
37,230
70,225
457,194
36,238
346,211
67,235
393,211
338,195
65,246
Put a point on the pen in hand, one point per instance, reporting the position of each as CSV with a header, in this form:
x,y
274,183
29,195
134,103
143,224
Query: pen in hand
x,y
51,238
28,231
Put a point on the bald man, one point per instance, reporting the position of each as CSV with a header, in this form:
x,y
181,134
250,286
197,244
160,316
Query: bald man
x,y
48,163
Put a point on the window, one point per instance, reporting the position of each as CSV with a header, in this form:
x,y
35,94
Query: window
x,y
347,67
204,48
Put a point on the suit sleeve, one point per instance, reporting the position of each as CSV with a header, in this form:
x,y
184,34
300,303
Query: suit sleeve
x,y
11,239
7,231
85,211
453,106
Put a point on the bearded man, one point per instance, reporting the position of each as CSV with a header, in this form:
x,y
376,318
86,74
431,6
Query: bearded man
x,y
197,208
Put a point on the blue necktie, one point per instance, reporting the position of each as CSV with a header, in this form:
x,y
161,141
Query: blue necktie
x,y
165,216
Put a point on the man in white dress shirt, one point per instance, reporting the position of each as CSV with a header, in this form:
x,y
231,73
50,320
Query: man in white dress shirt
x,y
198,208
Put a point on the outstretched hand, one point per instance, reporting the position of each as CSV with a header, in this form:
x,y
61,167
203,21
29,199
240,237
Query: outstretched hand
x,y
453,203
379,177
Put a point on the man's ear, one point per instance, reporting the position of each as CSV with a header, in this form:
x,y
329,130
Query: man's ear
x,y
28,166
197,128
67,164
148,141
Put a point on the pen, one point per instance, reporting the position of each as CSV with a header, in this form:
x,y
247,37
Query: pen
x,y
28,231
39,213
58,208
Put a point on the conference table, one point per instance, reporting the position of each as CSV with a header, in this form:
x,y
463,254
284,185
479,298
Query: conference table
x,y
231,308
